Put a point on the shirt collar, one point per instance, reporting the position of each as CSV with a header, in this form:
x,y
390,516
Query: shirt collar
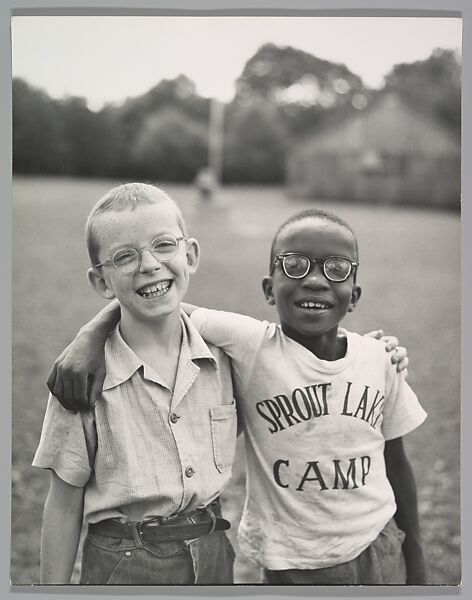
x,y
121,362
197,346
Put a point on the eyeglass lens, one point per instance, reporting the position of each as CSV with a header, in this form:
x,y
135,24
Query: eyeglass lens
x,y
335,268
163,248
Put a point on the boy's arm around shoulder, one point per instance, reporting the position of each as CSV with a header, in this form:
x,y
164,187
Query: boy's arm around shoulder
x,y
230,331
402,480
60,534
240,338
76,378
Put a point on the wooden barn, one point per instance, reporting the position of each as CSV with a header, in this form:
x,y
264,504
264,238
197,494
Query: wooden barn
x,y
386,153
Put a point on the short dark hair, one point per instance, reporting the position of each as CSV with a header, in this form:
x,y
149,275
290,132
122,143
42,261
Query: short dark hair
x,y
310,213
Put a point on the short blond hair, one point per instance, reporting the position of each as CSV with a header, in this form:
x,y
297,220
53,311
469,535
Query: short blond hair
x,y
126,197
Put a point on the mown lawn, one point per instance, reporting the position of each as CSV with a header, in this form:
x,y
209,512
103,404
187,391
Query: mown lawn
x,y
410,275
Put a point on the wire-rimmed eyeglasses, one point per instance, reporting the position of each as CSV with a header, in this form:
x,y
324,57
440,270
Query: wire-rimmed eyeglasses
x,y
128,260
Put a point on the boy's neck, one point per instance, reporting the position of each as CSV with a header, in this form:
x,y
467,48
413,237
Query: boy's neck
x,y
161,334
329,346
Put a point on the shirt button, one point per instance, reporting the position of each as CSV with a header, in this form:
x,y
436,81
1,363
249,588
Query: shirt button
x,y
174,418
189,472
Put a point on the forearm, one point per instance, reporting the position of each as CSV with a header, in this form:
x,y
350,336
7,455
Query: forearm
x,y
60,535
102,323
403,484
407,520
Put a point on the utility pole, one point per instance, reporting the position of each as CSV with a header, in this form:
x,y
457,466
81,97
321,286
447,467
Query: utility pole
x,y
209,178
215,146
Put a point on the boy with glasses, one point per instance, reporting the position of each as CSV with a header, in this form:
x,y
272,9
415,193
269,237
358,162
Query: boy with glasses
x,y
147,466
317,405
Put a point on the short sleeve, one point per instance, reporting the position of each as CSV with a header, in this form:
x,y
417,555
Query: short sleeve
x,y
67,444
239,336
402,412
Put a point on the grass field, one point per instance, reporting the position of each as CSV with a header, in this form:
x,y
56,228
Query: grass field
x,y
410,275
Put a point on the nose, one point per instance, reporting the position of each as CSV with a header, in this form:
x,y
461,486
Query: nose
x,y
149,262
315,278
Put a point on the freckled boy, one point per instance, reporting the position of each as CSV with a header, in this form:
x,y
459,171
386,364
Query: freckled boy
x,y
146,467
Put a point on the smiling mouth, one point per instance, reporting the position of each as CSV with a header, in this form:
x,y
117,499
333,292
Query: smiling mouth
x,y
314,305
155,290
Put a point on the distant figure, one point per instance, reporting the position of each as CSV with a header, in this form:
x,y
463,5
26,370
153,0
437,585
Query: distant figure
x,y
206,184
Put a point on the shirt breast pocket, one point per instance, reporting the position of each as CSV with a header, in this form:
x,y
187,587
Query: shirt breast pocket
x,y
223,422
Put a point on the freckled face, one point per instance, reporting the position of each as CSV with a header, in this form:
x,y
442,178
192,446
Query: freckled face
x,y
313,306
157,288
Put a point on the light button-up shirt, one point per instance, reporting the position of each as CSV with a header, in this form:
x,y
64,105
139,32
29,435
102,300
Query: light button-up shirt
x,y
145,451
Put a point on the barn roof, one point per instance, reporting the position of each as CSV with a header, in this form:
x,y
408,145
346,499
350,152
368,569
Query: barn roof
x,y
348,111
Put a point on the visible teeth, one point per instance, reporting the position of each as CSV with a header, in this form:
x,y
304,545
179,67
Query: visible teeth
x,y
155,290
319,305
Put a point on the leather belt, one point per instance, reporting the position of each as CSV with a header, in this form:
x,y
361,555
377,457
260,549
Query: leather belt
x,y
184,526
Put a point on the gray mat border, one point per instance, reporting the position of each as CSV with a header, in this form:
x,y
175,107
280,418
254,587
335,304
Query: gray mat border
x,y
349,8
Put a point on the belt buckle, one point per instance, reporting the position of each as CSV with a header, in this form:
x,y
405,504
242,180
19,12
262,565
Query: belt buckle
x,y
155,521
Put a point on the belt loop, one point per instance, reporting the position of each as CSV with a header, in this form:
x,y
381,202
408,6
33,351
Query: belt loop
x,y
213,519
137,534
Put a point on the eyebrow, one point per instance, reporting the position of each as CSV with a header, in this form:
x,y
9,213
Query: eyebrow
x,y
114,248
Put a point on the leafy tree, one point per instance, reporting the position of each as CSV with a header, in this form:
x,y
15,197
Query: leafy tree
x,y
178,93
136,113
91,137
433,84
62,136
281,93
170,145
255,143
38,140
65,137
113,154
304,87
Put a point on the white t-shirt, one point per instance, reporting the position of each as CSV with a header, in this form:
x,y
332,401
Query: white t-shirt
x,y
317,491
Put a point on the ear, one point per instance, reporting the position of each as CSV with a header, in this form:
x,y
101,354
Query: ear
x,y
193,254
355,295
267,286
99,284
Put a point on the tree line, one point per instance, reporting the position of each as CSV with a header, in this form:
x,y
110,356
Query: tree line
x,y
282,94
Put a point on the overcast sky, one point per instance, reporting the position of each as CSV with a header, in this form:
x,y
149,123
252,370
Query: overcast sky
x,y
107,59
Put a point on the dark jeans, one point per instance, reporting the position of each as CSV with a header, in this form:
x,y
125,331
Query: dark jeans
x,y
206,560
381,563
